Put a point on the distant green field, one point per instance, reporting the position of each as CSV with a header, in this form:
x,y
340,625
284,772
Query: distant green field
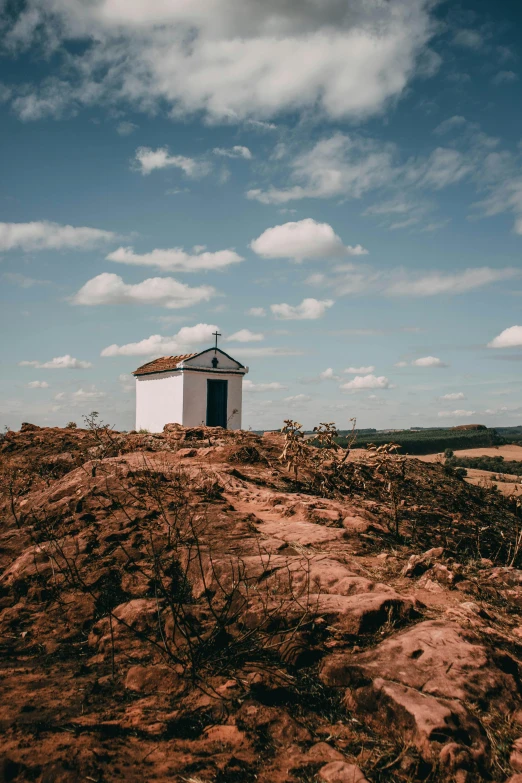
x,y
428,441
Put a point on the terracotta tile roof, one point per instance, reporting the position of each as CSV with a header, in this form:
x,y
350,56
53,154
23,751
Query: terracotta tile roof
x,y
163,364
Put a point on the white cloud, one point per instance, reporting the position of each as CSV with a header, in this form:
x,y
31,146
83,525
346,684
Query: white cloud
x,y
335,166
457,121
328,375
362,382
127,382
350,166
428,361
160,291
505,192
304,239
504,77
23,281
359,370
468,39
231,60
66,362
401,364
245,336
234,152
257,312
126,128
38,385
443,283
454,414
444,167
83,395
44,235
453,396
309,309
258,388
158,345
297,398
350,279
149,160
175,259
509,338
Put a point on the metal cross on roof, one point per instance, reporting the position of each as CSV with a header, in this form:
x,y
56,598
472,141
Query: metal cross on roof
x,y
216,334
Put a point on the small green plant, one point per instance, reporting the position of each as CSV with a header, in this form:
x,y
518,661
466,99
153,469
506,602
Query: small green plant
x,y
143,431
71,425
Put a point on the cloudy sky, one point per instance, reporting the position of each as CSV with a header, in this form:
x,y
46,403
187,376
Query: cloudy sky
x,y
335,184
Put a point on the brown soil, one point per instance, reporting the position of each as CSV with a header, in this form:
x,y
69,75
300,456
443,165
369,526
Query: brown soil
x,y
182,608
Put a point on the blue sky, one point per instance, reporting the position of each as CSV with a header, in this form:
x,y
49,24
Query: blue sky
x,y
336,185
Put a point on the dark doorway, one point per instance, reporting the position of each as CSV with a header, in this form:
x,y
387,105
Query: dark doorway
x,y
217,398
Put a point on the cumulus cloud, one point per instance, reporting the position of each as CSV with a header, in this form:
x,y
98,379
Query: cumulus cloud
x,y
234,152
175,259
108,288
245,336
309,309
428,361
359,370
159,345
362,382
37,385
454,414
304,239
44,235
231,59
66,362
257,312
328,375
453,396
149,160
258,388
509,338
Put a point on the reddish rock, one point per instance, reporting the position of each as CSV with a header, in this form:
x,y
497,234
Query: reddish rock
x,y
418,564
152,679
341,772
515,759
322,751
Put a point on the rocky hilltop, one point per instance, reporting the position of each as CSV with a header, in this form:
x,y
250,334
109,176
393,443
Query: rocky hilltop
x,y
205,605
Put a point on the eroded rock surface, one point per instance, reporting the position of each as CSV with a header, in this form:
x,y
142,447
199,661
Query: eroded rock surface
x,y
180,607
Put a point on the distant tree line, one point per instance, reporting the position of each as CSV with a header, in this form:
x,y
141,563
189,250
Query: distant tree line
x,y
428,441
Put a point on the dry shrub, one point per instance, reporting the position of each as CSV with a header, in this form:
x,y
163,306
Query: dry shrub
x,y
213,613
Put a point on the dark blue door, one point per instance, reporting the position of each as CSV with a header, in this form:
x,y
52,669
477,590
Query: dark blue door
x,y
217,398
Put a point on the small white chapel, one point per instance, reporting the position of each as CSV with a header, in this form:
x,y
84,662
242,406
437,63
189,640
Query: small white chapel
x,y
191,389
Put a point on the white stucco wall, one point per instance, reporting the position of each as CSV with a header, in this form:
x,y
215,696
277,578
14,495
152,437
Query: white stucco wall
x,y
195,397
159,400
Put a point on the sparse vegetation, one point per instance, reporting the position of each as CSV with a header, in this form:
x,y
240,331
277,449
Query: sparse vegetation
x,y
212,598
429,441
